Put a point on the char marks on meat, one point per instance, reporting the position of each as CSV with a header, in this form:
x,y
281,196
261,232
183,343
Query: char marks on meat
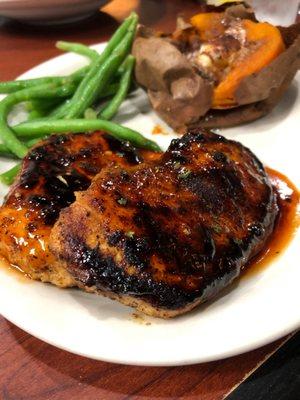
x,y
168,235
51,174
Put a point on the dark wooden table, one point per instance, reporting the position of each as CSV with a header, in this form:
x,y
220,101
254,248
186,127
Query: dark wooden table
x,y
33,370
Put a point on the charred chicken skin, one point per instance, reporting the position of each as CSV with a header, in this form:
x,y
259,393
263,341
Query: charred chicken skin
x,y
50,175
168,235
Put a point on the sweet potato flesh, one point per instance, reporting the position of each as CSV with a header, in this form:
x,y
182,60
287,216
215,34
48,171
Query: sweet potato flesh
x,y
208,25
260,43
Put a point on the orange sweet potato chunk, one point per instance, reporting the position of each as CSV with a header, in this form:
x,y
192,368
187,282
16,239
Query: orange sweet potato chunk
x,y
269,45
208,25
263,40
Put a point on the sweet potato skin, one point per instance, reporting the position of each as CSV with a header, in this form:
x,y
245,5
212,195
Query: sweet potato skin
x,y
177,93
258,86
183,98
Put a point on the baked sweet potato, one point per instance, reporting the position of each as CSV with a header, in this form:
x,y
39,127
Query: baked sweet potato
x,y
221,68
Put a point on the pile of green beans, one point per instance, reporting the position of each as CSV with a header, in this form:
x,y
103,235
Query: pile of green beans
x,y
63,104
44,91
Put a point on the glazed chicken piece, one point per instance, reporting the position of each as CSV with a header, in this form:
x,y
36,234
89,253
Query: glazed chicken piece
x,y
166,236
51,173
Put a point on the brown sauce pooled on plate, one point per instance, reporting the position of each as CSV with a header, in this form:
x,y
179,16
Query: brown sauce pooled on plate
x,y
286,225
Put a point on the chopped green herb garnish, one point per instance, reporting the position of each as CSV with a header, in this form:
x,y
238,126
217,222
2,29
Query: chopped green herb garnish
x,y
237,241
184,173
122,201
130,234
217,228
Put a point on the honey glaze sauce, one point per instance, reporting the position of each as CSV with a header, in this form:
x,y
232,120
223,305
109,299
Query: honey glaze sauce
x,y
288,221
14,270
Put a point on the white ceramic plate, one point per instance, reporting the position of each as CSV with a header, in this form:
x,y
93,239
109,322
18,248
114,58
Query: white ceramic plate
x,y
251,313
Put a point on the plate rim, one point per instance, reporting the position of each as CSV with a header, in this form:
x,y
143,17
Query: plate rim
x,y
136,362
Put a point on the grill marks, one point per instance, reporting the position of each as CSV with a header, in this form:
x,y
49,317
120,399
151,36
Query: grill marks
x,y
55,170
186,223
51,174
98,269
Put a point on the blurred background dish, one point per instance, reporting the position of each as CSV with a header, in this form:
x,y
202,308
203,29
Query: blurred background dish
x,y
49,11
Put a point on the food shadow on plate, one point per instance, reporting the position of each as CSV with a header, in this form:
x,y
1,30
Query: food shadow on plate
x,y
137,103
103,308
216,301
268,122
100,307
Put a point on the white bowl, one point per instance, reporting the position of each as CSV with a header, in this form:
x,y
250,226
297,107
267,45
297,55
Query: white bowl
x,y
49,11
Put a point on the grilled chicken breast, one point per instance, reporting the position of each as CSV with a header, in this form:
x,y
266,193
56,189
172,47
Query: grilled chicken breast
x,y
50,174
168,235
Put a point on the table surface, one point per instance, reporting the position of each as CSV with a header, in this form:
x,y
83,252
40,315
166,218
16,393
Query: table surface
x,y
31,369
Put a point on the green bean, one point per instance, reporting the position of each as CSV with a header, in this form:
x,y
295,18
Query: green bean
x,y
90,113
14,86
113,106
60,111
34,114
101,78
45,91
78,48
5,152
44,106
109,90
9,176
40,128
86,91
8,137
